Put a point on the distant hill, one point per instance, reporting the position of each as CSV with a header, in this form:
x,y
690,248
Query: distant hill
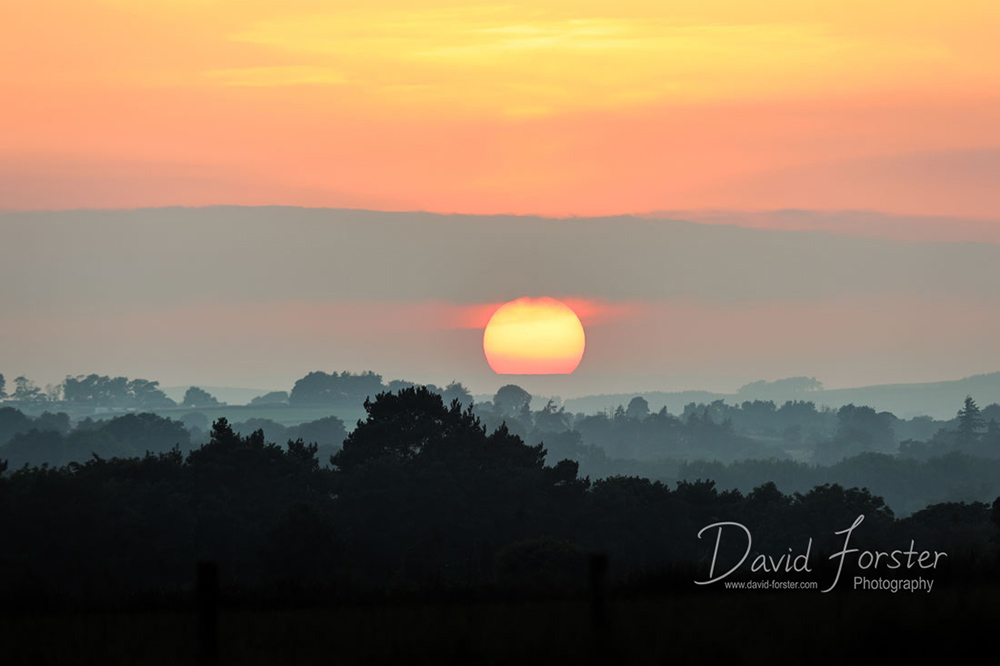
x,y
940,400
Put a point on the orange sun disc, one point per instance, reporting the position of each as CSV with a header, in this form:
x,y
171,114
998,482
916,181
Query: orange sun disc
x,y
534,336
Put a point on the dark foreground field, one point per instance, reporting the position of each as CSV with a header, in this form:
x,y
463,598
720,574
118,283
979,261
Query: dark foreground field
x,y
718,627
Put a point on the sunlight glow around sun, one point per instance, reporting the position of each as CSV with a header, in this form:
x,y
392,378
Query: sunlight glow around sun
x,y
534,336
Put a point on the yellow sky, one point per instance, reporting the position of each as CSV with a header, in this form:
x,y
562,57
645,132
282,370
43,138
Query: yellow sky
x,y
550,106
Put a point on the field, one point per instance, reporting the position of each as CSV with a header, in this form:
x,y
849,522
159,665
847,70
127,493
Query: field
x,y
690,628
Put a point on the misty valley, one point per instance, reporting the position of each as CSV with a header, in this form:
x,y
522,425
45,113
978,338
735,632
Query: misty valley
x,y
736,442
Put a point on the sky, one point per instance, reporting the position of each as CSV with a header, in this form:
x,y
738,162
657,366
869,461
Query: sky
x,y
788,188
259,297
548,107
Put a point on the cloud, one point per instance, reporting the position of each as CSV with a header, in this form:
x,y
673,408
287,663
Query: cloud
x,y
319,255
545,60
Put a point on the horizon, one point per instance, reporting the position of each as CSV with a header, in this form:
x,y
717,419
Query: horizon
x,y
936,400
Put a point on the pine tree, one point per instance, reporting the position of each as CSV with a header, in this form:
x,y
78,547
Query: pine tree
x,y
970,422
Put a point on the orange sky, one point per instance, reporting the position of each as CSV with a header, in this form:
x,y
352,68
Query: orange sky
x,y
549,107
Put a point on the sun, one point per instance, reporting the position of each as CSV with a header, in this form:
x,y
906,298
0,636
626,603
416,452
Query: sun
x,y
534,336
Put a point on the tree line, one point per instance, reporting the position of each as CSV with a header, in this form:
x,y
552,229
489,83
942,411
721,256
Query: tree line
x,y
421,496
316,389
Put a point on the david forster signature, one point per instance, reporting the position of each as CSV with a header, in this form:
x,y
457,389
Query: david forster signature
x,y
865,559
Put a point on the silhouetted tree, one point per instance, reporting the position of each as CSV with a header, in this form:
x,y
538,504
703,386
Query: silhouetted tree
x,y
455,391
551,419
103,391
3,386
638,408
145,394
25,391
859,430
970,422
327,433
12,422
199,398
50,422
273,431
404,425
398,384
320,388
96,389
50,439
147,433
511,400
195,421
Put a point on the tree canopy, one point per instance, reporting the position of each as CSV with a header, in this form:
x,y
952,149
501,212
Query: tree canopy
x,y
199,398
